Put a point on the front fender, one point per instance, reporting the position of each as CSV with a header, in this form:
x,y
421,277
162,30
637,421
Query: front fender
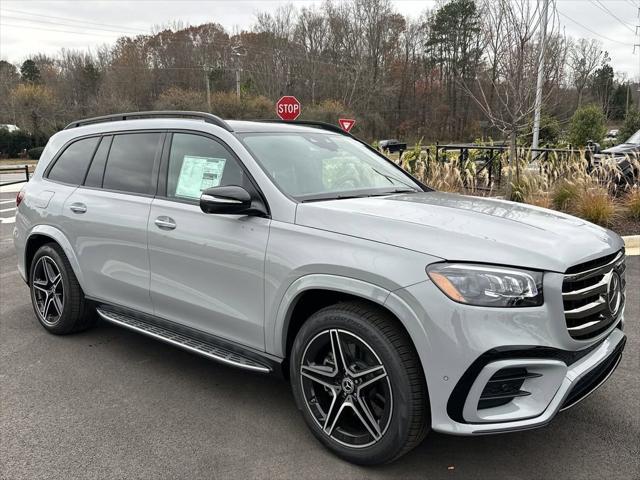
x,y
60,238
276,342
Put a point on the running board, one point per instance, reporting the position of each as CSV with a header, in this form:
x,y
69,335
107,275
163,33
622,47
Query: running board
x,y
192,344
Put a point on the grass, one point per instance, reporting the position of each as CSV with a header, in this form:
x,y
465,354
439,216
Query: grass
x,y
567,185
632,202
595,205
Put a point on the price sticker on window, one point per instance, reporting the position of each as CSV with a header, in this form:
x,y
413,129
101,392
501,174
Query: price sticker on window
x,y
198,174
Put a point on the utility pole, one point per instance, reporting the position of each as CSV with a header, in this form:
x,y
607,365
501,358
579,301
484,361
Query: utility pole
x,y
207,73
238,51
538,104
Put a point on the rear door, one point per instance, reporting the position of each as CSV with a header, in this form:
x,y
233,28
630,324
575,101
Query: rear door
x,y
106,218
207,271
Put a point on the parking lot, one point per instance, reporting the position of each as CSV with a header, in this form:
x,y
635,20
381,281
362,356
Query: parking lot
x,y
109,403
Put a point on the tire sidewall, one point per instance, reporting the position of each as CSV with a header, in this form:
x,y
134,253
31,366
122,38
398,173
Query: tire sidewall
x,y
398,430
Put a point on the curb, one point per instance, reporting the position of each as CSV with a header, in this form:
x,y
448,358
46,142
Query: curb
x,y
632,244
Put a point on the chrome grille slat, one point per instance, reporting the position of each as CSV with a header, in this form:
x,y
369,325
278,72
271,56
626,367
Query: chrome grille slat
x,y
586,310
597,270
585,295
598,288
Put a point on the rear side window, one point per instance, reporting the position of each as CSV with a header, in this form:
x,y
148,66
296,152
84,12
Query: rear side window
x,y
130,164
71,166
94,175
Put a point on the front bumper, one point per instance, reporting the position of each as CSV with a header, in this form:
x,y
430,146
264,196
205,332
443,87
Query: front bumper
x,y
559,387
463,347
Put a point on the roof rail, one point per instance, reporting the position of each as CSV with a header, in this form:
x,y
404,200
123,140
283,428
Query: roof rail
x,y
309,123
207,117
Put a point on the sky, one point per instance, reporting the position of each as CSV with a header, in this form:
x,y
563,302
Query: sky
x,y
30,26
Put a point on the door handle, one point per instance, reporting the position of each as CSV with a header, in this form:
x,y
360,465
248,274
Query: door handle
x,y
78,207
165,223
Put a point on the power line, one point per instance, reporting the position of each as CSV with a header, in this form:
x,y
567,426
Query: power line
x,y
54,30
593,31
37,21
67,19
601,6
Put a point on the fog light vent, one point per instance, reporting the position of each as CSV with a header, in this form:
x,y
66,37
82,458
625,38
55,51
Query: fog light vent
x,y
504,386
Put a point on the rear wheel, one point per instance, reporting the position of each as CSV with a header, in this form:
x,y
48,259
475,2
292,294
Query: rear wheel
x,y
58,300
358,381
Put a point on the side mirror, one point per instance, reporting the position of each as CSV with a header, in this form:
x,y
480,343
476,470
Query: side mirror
x,y
229,200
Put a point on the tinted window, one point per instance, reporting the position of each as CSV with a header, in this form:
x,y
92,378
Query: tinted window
x,y
197,163
130,163
94,176
72,165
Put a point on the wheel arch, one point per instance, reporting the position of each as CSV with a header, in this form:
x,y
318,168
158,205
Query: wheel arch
x,y
312,292
43,234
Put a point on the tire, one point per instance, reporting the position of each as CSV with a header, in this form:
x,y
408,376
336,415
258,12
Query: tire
x,y
56,296
372,421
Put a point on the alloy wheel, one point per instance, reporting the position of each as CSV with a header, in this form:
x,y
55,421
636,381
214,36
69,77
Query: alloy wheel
x,y
346,388
48,290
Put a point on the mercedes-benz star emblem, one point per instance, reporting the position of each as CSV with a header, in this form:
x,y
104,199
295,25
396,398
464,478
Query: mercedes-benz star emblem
x,y
614,293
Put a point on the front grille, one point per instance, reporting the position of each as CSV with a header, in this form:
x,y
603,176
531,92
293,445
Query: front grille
x,y
586,297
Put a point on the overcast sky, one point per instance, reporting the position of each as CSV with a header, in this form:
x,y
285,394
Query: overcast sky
x,y
30,26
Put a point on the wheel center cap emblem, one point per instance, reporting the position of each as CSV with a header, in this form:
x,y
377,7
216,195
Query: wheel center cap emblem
x,y
614,293
347,385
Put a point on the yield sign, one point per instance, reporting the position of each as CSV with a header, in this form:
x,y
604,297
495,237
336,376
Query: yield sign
x,y
346,124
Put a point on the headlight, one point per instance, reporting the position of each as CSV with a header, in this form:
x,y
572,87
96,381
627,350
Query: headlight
x,y
487,286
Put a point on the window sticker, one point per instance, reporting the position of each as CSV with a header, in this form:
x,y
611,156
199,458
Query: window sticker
x,y
198,174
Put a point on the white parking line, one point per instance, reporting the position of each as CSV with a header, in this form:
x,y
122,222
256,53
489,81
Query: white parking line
x,y
8,220
7,209
2,202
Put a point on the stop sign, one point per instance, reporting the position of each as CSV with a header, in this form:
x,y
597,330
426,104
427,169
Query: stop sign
x,y
288,108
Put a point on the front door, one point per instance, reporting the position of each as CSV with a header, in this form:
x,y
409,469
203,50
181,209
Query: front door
x,y
206,270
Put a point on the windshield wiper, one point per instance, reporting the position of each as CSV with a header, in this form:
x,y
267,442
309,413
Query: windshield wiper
x,y
346,196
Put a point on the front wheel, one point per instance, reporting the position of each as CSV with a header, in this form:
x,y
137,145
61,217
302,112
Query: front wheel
x,y
358,381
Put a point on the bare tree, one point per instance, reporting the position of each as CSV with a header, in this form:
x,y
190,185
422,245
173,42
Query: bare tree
x,y
584,58
512,29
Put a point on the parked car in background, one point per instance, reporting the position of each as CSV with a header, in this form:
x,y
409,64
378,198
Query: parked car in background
x,y
392,145
391,308
9,127
626,155
611,138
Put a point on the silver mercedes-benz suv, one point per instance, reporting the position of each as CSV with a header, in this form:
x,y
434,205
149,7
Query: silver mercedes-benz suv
x,y
295,248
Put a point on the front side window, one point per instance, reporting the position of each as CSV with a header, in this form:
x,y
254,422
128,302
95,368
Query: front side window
x,y
72,165
318,166
130,164
197,163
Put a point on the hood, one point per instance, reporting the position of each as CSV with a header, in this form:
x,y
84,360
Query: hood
x,y
463,228
621,149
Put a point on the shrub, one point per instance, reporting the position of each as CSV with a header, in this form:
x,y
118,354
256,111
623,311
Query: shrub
x,y
595,205
632,202
587,123
564,194
175,98
549,130
631,125
12,143
34,153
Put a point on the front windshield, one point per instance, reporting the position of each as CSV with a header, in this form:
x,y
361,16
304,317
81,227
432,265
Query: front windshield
x,y
318,166
635,138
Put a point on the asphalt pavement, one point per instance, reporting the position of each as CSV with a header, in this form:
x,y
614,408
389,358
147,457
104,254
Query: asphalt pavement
x,y
109,403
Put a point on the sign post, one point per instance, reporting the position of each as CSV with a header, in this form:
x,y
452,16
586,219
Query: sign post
x,y
346,124
288,108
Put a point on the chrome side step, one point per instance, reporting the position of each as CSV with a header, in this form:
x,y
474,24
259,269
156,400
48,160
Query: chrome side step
x,y
181,340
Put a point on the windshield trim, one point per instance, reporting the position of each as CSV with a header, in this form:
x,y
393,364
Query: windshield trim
x,y
334,195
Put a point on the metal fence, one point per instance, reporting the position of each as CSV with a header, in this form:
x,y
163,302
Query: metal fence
x,y
15,170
